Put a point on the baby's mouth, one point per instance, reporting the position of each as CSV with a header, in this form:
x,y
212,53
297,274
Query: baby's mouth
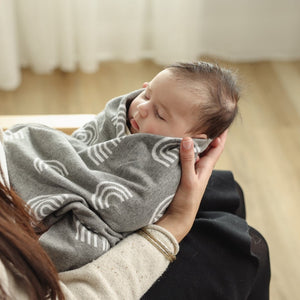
x,y
134,124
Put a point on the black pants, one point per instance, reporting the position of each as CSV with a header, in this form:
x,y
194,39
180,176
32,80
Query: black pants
x,y
222,257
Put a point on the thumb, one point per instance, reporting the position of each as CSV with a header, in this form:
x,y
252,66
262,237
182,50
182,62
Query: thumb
x,y
187,158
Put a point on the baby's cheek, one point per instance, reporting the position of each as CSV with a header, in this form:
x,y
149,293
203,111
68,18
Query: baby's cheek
x,y
131,109
150,128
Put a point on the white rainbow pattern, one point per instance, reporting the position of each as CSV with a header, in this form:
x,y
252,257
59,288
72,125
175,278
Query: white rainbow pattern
x,y
159,211
42,165
114,120
9,136
43,206
197,149
161,154
119,121
86,236
107,192
88,134
100,152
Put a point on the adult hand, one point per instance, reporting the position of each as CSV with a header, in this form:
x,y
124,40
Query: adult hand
x,y
180,215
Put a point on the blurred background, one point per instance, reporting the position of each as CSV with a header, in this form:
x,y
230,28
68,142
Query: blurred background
x,y
72,56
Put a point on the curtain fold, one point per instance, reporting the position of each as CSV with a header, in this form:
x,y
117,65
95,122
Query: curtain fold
x,y
175,30
71,34
10,75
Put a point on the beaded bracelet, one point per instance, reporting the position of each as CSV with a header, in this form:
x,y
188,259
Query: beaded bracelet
x,y
157,244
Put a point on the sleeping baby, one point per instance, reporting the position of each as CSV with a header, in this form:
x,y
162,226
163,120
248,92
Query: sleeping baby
x,y
119,172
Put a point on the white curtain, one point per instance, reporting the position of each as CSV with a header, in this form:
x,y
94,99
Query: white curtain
x,y
71,34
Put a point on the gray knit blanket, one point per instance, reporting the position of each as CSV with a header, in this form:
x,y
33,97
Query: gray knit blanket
x,y
95,187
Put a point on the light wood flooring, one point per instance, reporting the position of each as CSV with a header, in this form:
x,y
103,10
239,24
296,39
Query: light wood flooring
x,y
263,148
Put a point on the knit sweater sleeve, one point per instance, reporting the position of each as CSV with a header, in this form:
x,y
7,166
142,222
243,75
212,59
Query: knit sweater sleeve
x,y
127,271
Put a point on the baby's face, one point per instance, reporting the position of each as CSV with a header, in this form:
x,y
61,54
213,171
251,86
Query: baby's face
x,y
164,108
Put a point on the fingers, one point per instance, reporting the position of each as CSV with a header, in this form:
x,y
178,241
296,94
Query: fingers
x,y
204,166
218,146
180,215
220,140
187,158
206,163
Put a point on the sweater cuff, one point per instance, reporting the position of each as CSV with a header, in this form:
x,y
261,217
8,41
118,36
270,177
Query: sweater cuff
x,y
165,237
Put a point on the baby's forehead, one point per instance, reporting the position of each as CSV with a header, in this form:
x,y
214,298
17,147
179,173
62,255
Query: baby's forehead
x,y
182,87
169,78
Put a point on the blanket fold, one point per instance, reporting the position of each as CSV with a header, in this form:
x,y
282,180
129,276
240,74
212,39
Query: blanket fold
x,y
93,188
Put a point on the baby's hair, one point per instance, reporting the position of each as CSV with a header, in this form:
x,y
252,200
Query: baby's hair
x,y
219,93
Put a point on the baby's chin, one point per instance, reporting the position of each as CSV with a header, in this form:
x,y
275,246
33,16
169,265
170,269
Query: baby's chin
x,y
133,131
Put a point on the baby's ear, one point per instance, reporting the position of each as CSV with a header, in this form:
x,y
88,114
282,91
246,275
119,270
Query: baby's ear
x,y
201,136
145,84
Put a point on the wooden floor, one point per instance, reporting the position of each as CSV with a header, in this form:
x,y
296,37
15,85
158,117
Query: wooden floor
x,y
263,148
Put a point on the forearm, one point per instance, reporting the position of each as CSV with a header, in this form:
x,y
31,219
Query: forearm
x,y
127,271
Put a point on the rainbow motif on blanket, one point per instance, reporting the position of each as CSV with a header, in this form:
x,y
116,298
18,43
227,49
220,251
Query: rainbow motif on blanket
x,y
95,186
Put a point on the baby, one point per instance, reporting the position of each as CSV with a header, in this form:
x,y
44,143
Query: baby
x,y
120,171
191,99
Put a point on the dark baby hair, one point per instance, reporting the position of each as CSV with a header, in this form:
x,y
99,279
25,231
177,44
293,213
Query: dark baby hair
x,y
219,93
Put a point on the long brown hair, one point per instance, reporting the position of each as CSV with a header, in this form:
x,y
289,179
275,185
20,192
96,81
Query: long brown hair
x,y
20,251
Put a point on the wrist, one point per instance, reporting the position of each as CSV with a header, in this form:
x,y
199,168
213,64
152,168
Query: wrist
x,y
175,225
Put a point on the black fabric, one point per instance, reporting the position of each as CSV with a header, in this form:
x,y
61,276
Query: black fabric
x,y
223,193
260,250
222,257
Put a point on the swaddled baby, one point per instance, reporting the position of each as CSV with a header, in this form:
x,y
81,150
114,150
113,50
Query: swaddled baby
x,y
120,171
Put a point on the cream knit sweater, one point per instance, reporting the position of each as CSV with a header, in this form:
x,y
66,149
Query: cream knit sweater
x,y
126,271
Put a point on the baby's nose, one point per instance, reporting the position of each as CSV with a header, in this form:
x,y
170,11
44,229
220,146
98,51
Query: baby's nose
x,y
142,108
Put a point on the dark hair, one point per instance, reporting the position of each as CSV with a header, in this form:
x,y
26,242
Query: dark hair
x,y
20,251
219,95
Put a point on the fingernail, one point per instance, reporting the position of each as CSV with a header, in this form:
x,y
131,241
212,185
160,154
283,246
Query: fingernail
x,y
187,144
